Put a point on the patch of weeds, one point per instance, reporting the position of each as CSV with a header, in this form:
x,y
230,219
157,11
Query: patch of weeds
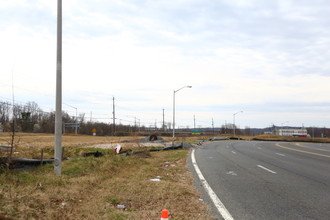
x,y
142,154
74,171
113,200
119,216
177,155
57,182
2,169
26,178
91,149
80,166
45,168
49,150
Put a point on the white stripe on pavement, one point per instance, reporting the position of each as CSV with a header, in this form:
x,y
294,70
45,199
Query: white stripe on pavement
x,y
215,199
266,169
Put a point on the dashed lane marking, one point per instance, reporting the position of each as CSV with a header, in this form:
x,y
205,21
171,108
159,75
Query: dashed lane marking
x,y
269,170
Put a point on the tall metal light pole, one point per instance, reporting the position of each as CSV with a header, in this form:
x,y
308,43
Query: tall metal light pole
x,y
194,123
163,120
175,91
58,114
113,117
234,120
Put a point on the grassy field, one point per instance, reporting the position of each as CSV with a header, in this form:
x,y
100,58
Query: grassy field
x,y
91,188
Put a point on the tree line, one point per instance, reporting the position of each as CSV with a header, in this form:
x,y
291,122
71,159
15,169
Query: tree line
x,y
29,117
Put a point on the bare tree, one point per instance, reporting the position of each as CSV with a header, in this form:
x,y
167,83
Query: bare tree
x,y
4,114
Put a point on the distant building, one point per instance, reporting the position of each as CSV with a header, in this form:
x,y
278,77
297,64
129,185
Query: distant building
x,y
291,132
268,132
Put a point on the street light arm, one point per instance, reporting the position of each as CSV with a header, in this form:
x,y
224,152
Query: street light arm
x,y
238,112
182,88
69,105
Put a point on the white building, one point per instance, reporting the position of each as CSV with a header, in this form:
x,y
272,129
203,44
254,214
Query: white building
x,y
292,132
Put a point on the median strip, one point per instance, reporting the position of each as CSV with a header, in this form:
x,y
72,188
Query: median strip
x,y
320,149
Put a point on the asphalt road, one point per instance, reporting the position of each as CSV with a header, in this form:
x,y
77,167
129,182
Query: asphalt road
x,y
268,180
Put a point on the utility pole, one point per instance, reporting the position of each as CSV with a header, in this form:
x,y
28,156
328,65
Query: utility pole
x,y
225,126
212,126
194,123
58,114
135,123
163,121
113,117
76,125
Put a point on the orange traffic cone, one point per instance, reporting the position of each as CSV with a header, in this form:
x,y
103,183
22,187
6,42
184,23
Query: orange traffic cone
x,y
164,215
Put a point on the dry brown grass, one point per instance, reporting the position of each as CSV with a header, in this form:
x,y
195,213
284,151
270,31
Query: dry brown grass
x,y
29,145
47,140
91,188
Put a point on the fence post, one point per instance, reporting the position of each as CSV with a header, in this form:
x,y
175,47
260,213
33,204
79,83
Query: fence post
x,y
42,157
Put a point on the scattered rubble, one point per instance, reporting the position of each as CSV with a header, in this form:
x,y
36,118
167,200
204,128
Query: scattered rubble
x,y
148,139
95,154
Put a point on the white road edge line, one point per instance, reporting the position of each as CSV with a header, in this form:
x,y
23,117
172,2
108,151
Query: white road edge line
x,y
267,169
280,154
215,199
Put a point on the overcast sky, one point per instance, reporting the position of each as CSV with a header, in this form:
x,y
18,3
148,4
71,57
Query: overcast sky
x,y
267,58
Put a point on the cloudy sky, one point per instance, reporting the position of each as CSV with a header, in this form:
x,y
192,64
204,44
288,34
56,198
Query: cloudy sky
x,y
269,59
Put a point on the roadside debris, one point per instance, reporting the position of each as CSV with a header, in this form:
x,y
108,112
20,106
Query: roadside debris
x,y
148,139
119,206
219,138
20,164
95,154
173,147
118,149
157,179
5,148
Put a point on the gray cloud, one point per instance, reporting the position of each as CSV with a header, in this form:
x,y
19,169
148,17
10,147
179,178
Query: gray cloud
x,y
222,39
